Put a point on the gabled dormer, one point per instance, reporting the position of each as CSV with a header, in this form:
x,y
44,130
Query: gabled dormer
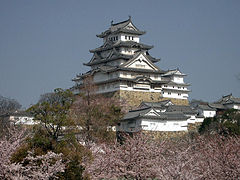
x,y
141,61
175,75
122,31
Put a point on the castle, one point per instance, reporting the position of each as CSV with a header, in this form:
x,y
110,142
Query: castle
x,y
123,67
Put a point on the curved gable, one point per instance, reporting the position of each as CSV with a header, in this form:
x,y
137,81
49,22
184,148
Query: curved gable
x,y
141,62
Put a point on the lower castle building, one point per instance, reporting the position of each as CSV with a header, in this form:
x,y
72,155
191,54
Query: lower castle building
x,y
123,67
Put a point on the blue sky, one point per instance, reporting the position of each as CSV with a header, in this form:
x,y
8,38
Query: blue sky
x,y
44,43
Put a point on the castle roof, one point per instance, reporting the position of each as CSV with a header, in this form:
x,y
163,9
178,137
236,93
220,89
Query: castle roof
x,y
229,99
122,27
174,72
181,108
205,107
109,45
158,105
141,113
217,106
169,107
117,55
177,84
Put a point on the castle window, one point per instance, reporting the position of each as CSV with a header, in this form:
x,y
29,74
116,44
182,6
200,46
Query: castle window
x,y
173,87
179,94
129,37
116,37
169,93
132,37
179,87
126,37
165,85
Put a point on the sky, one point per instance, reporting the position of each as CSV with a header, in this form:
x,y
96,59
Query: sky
x,y
44,43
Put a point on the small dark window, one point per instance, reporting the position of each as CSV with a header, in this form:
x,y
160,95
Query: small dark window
x,y
125,37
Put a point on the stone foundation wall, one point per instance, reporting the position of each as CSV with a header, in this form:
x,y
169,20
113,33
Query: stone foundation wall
x,y
134,98
194,127
166,134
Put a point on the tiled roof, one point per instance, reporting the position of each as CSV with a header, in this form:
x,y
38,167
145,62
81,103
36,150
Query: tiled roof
x,y
141,113
180,84
159,104
132,44
120,27
229,99
217,106
180,108
205,107
174,72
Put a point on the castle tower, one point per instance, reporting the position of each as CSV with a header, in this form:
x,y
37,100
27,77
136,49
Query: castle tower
x,y
123,67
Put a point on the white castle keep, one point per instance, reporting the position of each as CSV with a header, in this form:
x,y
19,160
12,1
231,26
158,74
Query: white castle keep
x,y
123,66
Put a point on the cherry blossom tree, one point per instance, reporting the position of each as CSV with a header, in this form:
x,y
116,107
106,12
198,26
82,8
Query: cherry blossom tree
x,y
32,167
8,144
202,157
39,167
94,114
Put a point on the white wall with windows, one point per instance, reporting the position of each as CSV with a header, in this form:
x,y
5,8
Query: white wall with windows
x,y
129,37
173,94
170,125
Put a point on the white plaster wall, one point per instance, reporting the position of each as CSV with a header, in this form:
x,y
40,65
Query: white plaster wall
x,y
22,120
233,106
207,113
199,119
156,77
178,79
236,107
124,87
192,119
175,94
140,65
154,125
135,38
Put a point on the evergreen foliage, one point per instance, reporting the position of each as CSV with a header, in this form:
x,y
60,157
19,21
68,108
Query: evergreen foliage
x,y
226,124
